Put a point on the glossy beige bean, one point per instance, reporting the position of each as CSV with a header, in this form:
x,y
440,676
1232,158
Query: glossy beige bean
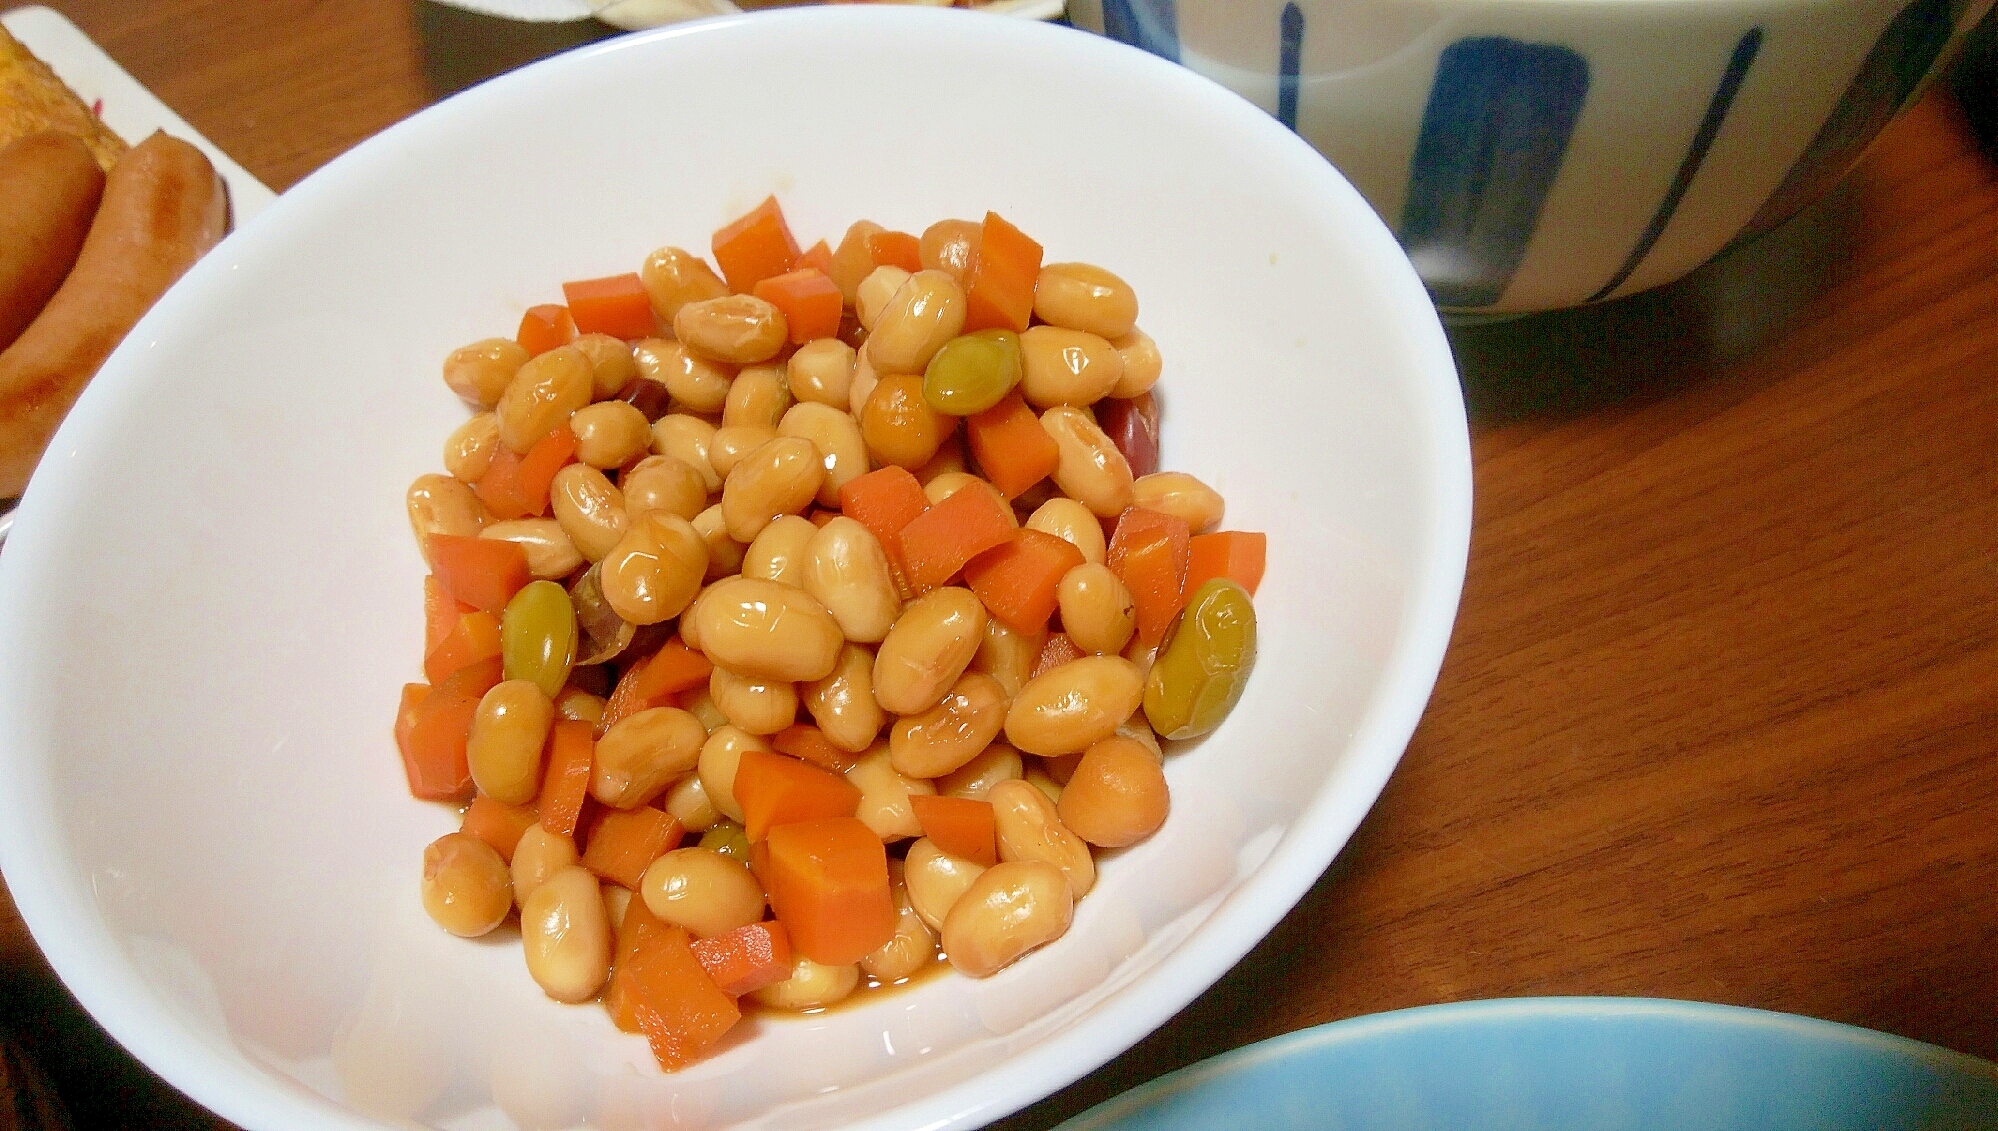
x,y
874,294
953,732
1138,729
781,477
935,879
468,451
837,438
759,706
590,509
928,648
698,704
951,246
821,372
1012,908
847,571
944,484
538,855
949,460
734,441
509,730
1097,609
466,888
899,427
864,380
1069,708
884,795
481,371
643,753
686,438
663,483
610,434
1072,522
725,554
1142,364
779,553
913,945
760,628
852,260
551,553
611,365
1030,828
739,329
917,320
810,986
703,891
697,383
720,756
542,396
1066,367
617,900
1083,296
1039,777
1089,468
1181,495
975,779
439,504
579,706
654,570
687,801
673,278
759,395
566,934
1117,795
843,704
1008,655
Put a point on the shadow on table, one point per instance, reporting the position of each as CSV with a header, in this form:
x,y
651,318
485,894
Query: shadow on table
x,y
462,49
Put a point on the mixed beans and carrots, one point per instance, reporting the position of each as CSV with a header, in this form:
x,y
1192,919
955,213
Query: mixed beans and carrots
x,y
797,619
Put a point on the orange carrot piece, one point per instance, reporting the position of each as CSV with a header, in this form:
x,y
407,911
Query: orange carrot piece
x,y
440,723
484,573
440,613
754,247
475,637
1019,580
407,711
624,842
1148,552
884,501
499,824
896,249
572,748
544,327
680,1009
499,487
938,542
1057,651
616,305
671,670
809,300
959,826
828,885
818,257
624,701
1001,291
1234,554
747,958
549,455
1012,449
809,743
776,789
636,931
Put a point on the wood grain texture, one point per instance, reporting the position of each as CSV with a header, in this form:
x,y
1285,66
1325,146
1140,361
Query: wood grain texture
x,y
1719,717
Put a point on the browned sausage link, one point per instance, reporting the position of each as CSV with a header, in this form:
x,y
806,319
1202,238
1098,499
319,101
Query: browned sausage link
x,y
51,185
163,208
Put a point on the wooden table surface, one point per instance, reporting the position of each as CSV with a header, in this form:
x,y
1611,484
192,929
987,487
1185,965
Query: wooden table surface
x,y
1720,717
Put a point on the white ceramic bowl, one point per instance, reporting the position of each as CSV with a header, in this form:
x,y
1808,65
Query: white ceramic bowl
x,y
211,596
1535,155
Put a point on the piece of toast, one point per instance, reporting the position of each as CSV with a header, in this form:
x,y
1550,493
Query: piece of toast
x,y
33,99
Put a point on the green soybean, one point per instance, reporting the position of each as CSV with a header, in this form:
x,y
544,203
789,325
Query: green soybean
x,y
729,839
1204,663
538,636
973,372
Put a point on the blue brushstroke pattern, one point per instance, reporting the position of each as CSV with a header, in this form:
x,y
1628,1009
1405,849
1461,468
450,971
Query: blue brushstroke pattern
x,y
1496,126
1150,24
1703,139
1892,70
1290,56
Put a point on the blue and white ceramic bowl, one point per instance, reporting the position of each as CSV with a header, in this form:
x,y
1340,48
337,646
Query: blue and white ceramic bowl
x,y
1533,155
